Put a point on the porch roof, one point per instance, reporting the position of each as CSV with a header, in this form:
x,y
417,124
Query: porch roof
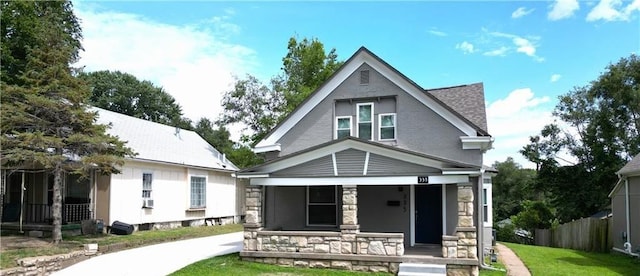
x,y
354,157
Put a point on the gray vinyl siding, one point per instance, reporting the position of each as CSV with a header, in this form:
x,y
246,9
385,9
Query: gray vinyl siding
x,y
418,127
619,219
350,162
319,167
381,165
372,206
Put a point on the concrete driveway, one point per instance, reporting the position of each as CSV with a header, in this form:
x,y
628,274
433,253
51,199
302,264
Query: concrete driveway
x,y
159,259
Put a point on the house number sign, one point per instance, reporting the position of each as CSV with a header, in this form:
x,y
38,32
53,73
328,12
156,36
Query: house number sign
x,y
423,179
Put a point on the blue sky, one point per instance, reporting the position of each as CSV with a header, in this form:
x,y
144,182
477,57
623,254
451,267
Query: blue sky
x,y
525,53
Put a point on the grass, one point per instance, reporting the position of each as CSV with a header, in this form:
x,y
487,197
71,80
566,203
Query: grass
x,y
232,265
557,261
9,257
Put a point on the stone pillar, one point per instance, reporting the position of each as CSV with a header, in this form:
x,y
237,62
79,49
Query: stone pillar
x,y
253,218
349,227
466,231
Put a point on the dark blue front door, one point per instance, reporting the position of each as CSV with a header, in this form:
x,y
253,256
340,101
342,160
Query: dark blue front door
x,y
428,214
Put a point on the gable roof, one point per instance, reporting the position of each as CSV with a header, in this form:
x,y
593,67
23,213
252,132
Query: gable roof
x,y
156,142
467,100
363,55
632,167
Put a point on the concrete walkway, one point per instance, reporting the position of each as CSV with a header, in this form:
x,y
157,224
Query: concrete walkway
x,y
515,267
159,259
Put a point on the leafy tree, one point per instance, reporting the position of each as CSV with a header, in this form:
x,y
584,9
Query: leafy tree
x,y
20,27
44,119
124,93
306,66
261,107
241,155
602,132
534,215
512,185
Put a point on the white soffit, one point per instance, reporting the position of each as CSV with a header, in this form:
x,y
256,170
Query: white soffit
x,y
372,180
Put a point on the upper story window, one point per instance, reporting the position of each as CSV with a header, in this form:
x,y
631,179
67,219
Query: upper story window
x,y
343,126
365,121
387,126
147,180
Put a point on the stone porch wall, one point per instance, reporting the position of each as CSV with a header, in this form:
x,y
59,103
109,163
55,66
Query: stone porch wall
x,y
364,266
380,244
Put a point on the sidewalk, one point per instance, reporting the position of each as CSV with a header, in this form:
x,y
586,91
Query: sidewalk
x,y
515,267
159,259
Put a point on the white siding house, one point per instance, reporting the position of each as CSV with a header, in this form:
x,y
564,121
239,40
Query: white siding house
x,y
175,179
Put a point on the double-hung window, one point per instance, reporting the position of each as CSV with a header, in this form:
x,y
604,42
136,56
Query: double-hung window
x,y
147,185
485,206
322,206
198,192
387,129
343,126
365,121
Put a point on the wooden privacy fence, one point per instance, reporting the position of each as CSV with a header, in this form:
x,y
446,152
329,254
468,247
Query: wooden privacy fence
x,y
587,234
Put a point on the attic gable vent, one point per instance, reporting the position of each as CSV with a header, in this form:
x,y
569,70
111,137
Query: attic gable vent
x,y
364,77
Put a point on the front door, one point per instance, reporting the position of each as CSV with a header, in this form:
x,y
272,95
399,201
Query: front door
x,y
428,226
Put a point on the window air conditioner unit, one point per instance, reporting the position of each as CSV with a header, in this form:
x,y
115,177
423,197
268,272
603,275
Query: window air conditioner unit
x,y
147,203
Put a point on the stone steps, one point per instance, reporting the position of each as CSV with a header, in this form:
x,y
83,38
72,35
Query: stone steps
x,y
410,269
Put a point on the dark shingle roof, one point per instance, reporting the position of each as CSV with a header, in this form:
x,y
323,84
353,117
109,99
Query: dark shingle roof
x,y
467,100
632,167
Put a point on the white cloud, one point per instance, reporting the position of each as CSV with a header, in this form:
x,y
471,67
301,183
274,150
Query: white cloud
x,y
512,120
195,64
466,47
611,10
435,32
555,77
520,12
523,45
561,9
502,51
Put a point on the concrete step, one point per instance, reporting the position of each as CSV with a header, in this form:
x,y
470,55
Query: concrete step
x,y
410,269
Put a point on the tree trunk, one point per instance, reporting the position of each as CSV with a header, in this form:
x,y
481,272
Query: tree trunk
x,y
58,175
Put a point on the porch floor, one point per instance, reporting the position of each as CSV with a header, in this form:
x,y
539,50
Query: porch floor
x,y
424,250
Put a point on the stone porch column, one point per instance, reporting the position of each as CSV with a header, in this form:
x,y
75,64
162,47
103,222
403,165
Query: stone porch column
x,y
349,227
466,231
253,217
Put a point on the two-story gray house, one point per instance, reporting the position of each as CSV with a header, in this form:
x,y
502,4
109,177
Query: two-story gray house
x,y
372,173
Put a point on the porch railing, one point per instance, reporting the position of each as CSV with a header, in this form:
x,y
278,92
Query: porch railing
x,y
43,213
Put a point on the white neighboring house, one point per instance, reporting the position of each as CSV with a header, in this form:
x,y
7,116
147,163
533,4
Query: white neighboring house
x,y
176,179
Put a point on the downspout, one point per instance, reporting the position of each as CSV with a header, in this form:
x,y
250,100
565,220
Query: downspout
x,y
627,245
480,234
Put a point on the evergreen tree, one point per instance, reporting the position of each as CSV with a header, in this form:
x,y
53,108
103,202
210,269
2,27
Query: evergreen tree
x,y
45,121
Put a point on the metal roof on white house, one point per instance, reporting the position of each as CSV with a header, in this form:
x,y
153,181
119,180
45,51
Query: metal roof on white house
x,y
156,142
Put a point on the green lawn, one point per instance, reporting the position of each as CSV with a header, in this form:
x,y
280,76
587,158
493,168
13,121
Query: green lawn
x,y
232,265
9,257
556,261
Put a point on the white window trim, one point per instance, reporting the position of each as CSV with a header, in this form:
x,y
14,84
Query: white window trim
x,y
206,180
335,134
395,126
151,190
358,120
489,203
335,203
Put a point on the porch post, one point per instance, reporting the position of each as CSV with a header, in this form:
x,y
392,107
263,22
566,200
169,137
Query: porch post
x,y
253,217
466,231
349,227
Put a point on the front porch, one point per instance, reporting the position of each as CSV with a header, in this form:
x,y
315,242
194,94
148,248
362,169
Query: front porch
x,y
349,248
